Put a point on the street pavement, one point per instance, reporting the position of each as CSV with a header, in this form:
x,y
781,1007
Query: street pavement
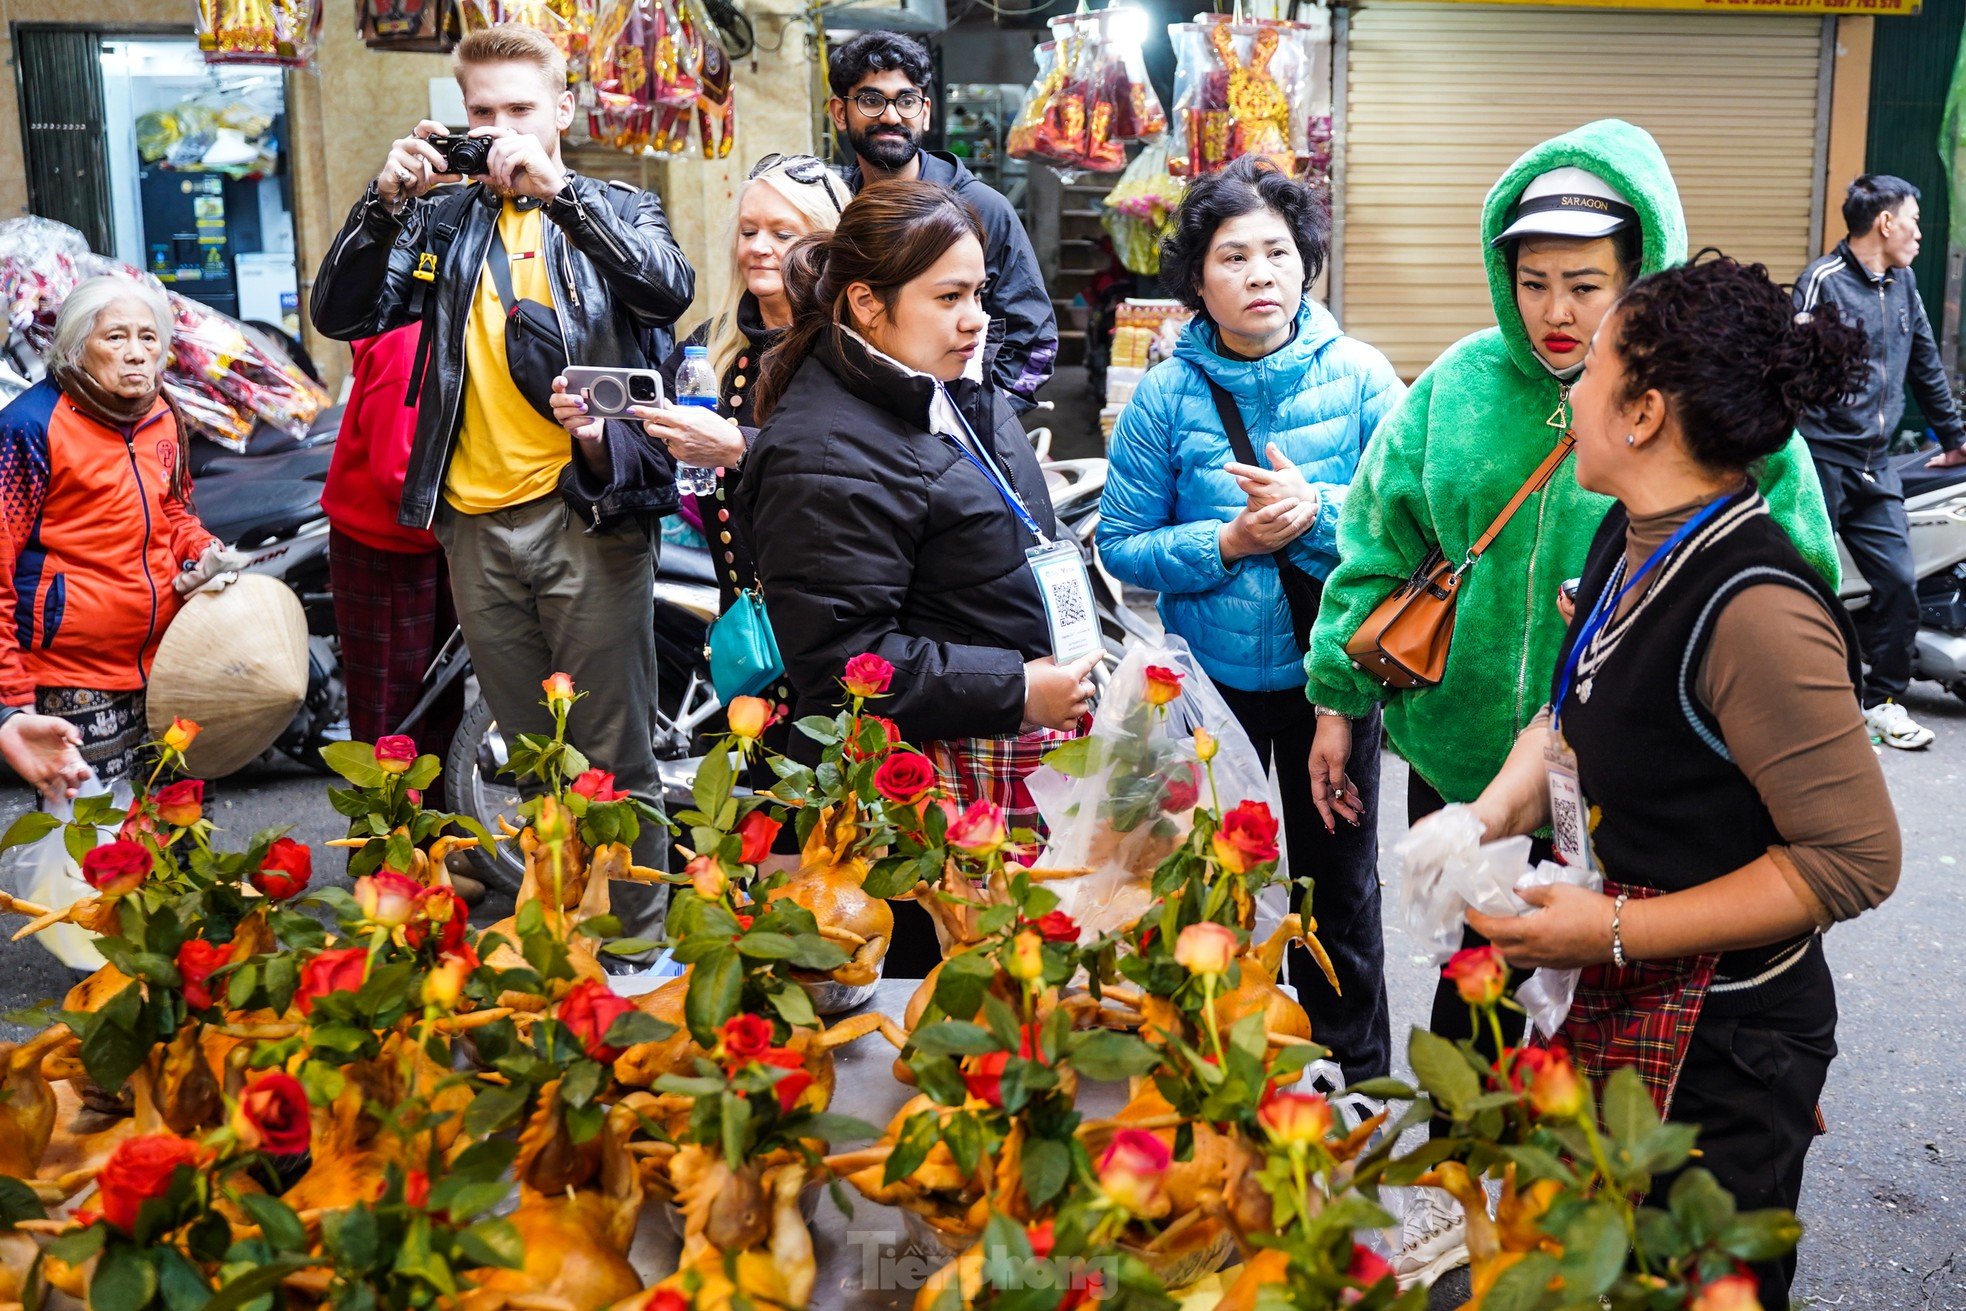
x,y
1885,1200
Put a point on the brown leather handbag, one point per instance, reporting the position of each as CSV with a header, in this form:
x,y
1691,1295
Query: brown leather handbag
x,y
1403,642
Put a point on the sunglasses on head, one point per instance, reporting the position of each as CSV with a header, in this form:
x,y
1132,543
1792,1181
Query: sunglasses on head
x,y
806,170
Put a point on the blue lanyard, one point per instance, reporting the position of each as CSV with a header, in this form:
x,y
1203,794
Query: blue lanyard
x,y
989,470
1607,605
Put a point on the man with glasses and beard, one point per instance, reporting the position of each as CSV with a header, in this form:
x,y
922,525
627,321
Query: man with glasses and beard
x,y
880,107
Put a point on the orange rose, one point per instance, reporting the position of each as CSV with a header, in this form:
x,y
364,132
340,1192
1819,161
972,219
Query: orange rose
x,y
1737,1292
1293,1117
180,735
1133,1170
559,690
182,803
1554,1087
1206,948
748,716
387,898
1479,975
1247,837
1163,684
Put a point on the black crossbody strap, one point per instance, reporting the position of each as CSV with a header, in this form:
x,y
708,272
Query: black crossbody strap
x,y
1232,424
500,265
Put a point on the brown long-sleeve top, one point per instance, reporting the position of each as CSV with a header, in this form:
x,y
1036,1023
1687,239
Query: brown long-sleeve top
x,y
1776,679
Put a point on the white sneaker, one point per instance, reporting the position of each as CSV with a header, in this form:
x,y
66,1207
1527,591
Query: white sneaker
x,y
1433,1238
1890,724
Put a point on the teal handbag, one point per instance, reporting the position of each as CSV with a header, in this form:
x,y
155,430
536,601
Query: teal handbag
x,y
744,658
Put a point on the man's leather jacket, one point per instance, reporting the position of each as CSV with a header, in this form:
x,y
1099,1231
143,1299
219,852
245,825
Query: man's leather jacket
x,y
619,284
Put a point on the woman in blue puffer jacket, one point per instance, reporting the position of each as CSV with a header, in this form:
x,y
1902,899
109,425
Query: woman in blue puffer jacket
x,y
1184,516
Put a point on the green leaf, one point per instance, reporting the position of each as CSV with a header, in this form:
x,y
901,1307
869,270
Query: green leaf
x,y
1594,1249
1385,1090
18,1202
716,986
352,1236
1703,1208
112,1049
125,1280
77,1246
1108,1055
1629,1115
1073,759
812,952
183,1286
1665,1149
1524,1286
794,1006
759,945
493,1242
1760,1235
636,1027
580,1084
629,946
29,828
711,787
1047,1165
891,878
277,1221
918,1135
244,1289
1442,1070
355,761
836,1128
954,1038
494,1109
736,1120
963,1136
423,772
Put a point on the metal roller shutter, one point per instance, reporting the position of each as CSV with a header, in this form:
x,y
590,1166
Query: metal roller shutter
x,y
1440,99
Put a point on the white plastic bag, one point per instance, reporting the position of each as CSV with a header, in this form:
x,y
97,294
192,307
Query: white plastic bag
x,y
42,872
1448,870
1135,805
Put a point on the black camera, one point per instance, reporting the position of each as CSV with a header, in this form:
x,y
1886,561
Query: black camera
x,y
463,155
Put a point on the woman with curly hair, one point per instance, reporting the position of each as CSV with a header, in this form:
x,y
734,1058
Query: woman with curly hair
x,y
1228,469
1705,706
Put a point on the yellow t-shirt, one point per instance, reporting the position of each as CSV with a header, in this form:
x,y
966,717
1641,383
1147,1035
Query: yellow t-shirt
x,y
507,452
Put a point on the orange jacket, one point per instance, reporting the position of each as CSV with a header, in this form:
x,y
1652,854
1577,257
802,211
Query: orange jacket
x,y
90,539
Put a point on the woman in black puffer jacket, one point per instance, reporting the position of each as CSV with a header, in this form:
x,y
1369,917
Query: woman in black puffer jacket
x,y
886,499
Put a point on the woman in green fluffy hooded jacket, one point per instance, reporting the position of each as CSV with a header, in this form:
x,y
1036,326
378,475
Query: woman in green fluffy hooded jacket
x,y
1441,466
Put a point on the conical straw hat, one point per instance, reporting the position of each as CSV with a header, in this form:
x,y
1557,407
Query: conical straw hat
x,y
236,663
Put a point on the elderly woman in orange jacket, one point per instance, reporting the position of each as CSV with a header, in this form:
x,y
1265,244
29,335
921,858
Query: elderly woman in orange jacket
x,y
98,544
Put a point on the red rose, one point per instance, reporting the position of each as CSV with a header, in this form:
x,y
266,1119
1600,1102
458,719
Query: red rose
x,y
196,962
589,1010
340,970
1248,837
1367,1267
984,1077
441,916
140,1169
1042,1239
182,803
757,831
416,1189
797,1078
395,753
1163,684
904,777
867,675
284,870
1180,795
890,734
116,868
598,785
273,1115
1057,926
746,1037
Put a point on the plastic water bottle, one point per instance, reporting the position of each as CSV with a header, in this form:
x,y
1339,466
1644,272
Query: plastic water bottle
x,y
696,384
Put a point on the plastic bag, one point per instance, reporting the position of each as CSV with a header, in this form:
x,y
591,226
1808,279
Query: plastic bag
x,y
1135,803
1448,870
284,32
44,873
1140,209
1241,89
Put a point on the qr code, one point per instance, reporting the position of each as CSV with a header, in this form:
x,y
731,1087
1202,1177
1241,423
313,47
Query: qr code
x,y
1566,825
1068,602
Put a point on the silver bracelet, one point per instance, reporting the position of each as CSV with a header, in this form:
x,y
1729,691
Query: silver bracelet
x,y
1617,930
1326,712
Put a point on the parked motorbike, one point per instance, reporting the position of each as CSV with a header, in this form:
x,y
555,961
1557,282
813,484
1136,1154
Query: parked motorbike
x,y
1935,507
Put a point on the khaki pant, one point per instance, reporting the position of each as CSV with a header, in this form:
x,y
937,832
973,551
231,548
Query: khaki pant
x,y
537,594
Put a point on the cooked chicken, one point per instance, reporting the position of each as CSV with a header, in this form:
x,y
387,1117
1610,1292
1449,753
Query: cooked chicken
x,y
828,885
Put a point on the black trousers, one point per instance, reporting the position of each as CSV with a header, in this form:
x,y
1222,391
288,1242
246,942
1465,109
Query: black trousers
x,y
1354,1024
1752,1080
1869,514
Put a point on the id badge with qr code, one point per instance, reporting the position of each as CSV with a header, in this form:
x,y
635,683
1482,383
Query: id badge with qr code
x,y
1067,592
1570,822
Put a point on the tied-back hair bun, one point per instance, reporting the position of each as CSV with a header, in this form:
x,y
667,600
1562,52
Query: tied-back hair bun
x,y
1734,359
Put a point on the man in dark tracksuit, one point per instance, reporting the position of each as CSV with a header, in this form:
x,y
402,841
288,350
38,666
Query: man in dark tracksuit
x,y
891,73
1868,278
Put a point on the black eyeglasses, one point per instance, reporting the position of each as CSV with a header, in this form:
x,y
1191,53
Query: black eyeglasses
x,y
873,104
806,170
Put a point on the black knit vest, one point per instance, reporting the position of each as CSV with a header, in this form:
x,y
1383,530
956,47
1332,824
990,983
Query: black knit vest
x,y
1675,810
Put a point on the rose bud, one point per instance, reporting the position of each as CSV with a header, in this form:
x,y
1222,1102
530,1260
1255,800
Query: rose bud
x,y
984,1078
285,869
1181,794
559,690
1479,975
273,1115
1206,948
182,803
708,876
197,960
666,1299
181,734
748,716
395,753
1132,1170
598,785
796,1078
341,969
1247,838
904,778
116,868
140,1169
1206,745
1554,1087
756,831
443,987
416,1190
1737,1292
1042,1239
1057,926
978,830
387,898
1163,684
867,675
550,825
589,1009
1026,960
745,1038
1292,1117
441,916
854,748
